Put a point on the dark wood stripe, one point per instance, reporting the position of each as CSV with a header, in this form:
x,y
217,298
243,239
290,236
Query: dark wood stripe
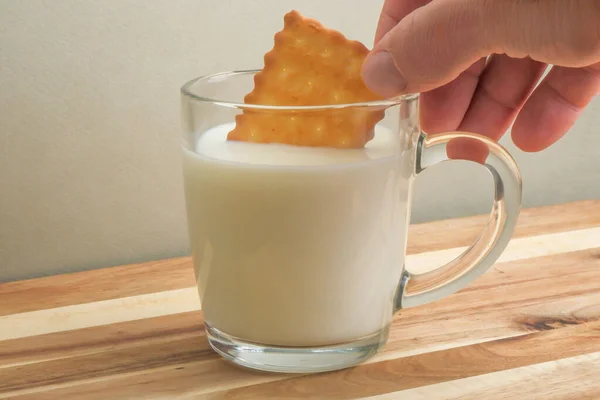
x,y
81,342
95,285
574,378
172,381
127,360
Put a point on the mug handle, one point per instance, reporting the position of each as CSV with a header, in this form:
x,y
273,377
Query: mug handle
x,y
422,288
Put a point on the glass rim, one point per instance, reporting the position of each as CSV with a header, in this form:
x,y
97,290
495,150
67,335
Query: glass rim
x,y
187,90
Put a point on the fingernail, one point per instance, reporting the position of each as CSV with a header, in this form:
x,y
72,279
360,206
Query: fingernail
x,y
381,75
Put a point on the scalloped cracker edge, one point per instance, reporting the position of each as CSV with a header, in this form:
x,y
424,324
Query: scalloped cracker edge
x,y
310,65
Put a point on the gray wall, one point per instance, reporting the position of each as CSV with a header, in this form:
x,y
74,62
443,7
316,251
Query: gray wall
x,y
89,124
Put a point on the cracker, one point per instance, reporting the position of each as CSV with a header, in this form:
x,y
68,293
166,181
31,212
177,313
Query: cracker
x,y
310,65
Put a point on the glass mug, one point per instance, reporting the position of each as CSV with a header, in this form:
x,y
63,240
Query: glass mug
x,y
299,251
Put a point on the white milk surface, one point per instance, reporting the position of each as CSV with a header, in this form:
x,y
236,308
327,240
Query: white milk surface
x,y
213,144
291,255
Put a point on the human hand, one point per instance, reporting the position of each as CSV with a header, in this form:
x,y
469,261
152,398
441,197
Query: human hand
x,y
439,48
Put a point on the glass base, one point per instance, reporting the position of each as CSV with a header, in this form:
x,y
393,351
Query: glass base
x,y
295,359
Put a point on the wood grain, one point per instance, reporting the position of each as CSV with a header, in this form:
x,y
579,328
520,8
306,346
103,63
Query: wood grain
x,y
99,339
430,368
458,232
183,300
96,285
573,378
99,313
529,328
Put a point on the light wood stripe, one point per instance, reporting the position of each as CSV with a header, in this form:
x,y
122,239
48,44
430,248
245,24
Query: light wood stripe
x,y
98,313
410,338
183,300
177,273
459,232
517,249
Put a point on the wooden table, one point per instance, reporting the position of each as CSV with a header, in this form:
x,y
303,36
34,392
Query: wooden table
x,y
528,329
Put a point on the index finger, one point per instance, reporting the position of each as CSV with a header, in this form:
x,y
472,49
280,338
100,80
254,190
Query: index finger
x,y
393,11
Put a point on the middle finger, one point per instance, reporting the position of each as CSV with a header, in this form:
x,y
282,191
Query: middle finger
x,y
503,88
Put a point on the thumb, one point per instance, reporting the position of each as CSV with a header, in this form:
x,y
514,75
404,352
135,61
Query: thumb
x,y
435,43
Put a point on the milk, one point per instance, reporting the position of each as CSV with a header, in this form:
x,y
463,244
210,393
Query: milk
x,y
296,246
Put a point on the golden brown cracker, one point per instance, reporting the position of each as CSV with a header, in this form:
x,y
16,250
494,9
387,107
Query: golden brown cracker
x,y
310,65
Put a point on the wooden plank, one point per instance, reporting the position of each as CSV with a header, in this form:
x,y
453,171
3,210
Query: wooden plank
x,y
430,368
445,234
151,357
517,249
514,299
184,300
573,378
168,382
150,277
531,317
213,378
95,285
102,338
495,314
98,313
